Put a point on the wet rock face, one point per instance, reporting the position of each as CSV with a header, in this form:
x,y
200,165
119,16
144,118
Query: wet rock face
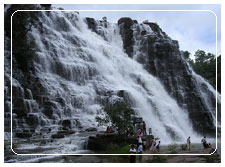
x,y
203,122
46,5
155,27
24,134
66,124
127,34
92,129
91,23
102,140
165,62
160,55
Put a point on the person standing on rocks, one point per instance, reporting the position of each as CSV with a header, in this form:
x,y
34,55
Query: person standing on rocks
x,y
153,146
132,151
139,133
144,144
157,147
203,141
139,141
189,143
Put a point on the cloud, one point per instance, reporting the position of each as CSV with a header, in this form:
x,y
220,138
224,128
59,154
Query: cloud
x,y
194,30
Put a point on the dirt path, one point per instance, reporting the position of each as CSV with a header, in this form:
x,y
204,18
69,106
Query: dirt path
x,y
181,158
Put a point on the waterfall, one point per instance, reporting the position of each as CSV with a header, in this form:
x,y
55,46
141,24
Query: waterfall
x,y
77,70
77,65
207,93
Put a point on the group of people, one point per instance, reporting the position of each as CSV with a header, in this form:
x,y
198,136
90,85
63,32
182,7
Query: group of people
x,y
140,147
109,129
141,130
133,152
203,141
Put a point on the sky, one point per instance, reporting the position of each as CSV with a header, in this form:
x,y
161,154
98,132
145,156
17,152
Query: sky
x,y
193,29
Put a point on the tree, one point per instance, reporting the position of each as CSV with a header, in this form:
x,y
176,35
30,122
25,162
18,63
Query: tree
x,y
202,57
205,65
119,115
186,54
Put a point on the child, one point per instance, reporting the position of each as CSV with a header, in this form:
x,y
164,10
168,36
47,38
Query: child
x,y
132,151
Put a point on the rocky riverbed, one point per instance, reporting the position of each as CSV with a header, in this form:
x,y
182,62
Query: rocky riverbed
x,y
195,149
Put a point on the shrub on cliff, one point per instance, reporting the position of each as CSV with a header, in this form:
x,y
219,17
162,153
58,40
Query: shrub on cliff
x,y
119,115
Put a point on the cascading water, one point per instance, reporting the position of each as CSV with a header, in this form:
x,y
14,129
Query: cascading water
x,y
203,87
99,63
79,70
160,56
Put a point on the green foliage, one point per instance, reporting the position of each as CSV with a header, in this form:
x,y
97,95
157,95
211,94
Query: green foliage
x,y
186,55
119,115
22,23
205,65
112,147
172,148
202,57
117,149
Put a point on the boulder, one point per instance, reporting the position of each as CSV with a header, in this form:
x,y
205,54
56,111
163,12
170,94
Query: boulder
x,y
102,140
20,112
18,102
126,20
23,134
66,124
91,23
91,129
143,32
57,136
62,133
48,111
32,120
66,132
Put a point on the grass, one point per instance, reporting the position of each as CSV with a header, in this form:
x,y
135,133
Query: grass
x,y
116,149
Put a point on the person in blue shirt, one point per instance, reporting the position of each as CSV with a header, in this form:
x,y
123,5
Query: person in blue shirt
x,y
140,150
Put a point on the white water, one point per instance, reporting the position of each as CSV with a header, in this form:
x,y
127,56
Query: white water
x,y
99,63
79,66
203,85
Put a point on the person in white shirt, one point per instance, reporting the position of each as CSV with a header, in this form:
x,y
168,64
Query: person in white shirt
x,y
189,143
139,140
204,142
132,151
